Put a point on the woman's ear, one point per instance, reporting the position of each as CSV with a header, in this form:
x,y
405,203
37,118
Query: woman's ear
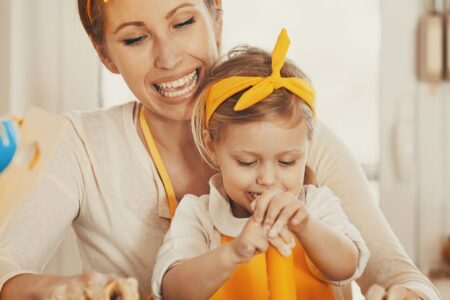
x,y
103,55
210,147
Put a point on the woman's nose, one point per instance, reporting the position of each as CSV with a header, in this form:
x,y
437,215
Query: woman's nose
x,y
168,54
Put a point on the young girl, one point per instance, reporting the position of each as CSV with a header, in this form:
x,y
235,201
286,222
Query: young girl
x,y
254,124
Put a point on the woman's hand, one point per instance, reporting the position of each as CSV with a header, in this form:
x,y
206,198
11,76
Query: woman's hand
x,y
396,292
89,285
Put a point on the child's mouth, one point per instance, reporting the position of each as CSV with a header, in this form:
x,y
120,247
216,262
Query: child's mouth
x,y
254,195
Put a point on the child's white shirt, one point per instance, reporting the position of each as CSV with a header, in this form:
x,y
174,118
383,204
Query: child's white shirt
x,y
199,223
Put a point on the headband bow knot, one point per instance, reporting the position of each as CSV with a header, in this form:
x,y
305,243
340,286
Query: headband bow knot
x,y
261,87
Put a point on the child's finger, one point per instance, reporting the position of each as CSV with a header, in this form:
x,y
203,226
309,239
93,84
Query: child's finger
x,y
261,245
280,245
274,209
261,204
297,222
283,218
288,237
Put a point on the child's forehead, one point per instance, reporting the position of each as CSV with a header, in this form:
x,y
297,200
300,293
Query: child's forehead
x,y
264,135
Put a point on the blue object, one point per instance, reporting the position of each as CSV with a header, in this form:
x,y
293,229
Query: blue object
x,y
9,137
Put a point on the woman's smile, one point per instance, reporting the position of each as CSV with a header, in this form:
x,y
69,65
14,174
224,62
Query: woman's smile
x,y
178,87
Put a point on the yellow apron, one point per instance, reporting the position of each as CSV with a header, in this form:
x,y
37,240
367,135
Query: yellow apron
x,y
268,275
272,276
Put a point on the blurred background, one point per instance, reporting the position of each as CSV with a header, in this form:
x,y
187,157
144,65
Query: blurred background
x,y
380,69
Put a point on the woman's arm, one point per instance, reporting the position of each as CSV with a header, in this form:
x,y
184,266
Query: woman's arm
x,y
39,286
35,228
389,265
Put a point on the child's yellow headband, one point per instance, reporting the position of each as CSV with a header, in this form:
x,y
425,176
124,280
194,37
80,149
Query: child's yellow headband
x,y
262,87
88,8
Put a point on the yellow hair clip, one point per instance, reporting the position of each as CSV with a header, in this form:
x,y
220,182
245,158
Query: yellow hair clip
x,y
261,87
88,8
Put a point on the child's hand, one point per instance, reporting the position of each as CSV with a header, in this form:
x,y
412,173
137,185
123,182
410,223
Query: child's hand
x,y
276,209
250,242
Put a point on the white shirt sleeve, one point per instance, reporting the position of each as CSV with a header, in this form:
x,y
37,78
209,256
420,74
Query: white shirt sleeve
x,y
37,226
325,206
189,236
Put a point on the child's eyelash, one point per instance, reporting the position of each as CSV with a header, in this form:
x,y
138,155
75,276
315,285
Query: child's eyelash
x,y
133,41
246,163
185,23
288,163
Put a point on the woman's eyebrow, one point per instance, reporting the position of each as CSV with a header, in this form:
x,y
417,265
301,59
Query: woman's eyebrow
x,y
173,11
134,23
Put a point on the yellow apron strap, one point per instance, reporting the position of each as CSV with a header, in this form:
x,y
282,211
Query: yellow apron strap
x,y
171,199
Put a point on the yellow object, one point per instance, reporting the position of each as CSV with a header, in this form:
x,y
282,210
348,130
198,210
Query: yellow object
x,y
272,276
261,87
171,199
40,133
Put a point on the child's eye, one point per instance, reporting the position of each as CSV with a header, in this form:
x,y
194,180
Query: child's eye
x,y
133,41
287,162
185,23
246,163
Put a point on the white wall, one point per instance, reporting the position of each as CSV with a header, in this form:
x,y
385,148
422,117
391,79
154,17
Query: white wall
x,y
48,58
5,69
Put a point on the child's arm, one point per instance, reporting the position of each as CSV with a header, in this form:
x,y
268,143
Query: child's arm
x,y
332,252
200,277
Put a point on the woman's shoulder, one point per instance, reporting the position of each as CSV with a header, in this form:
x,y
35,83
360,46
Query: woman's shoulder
x,y
102,115
105,126
328,153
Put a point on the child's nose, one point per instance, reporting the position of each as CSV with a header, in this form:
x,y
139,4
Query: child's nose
x,y
266,176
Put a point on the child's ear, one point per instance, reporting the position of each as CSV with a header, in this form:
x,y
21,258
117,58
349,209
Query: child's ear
x,y
210,146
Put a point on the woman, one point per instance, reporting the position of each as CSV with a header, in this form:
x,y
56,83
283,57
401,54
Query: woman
x,y
108,181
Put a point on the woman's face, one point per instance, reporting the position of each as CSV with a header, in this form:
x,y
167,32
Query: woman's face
x,y
163,49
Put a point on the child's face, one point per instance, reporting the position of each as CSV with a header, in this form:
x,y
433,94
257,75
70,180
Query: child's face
x,y
261,155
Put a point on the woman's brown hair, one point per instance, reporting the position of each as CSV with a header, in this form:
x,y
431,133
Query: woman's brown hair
x,y
281,105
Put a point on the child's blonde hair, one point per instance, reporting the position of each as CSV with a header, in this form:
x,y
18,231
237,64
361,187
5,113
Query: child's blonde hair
x,y
280,105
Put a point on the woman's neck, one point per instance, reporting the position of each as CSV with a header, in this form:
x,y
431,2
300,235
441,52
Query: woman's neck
x,y
169,135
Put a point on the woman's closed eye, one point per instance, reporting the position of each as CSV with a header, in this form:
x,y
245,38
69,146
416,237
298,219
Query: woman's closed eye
x,y
134,41
184,24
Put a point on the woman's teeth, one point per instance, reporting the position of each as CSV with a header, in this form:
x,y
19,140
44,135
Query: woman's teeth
x,y
178,87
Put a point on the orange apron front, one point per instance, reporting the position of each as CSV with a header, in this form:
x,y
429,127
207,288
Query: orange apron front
x,y
272,276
